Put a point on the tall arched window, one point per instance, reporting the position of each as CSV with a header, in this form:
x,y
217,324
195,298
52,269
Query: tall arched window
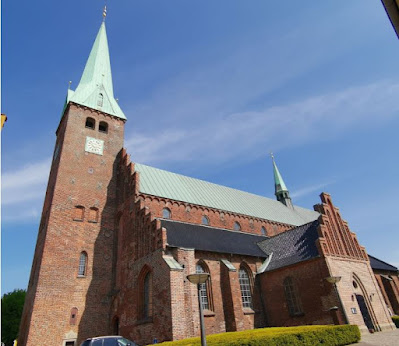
x,y
205,289
237,226
90,123
245,286
205,220
145,293
292,297
166,214
82,264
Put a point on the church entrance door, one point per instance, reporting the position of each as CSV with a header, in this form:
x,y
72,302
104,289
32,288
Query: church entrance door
x,y
365,311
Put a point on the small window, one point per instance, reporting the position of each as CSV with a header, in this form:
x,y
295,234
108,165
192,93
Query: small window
x,y
93,214
166,214
103,127
292,297
69,343
90,123
82,264
79,213
100,100
205,220
245,287
237,226
263,231
73,317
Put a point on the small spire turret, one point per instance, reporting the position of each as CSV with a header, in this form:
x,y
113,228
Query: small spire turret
x,y
281,191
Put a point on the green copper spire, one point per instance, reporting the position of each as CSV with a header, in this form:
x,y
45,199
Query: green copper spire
x,y
281,191
95,89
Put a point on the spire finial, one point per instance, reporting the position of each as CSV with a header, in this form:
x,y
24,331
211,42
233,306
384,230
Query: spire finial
x,y
69,85
104,12
272,156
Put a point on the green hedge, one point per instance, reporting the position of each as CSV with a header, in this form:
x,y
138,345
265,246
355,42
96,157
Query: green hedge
x,y
395,320
303,335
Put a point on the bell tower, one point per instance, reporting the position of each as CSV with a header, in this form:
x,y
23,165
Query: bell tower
x,y
70,287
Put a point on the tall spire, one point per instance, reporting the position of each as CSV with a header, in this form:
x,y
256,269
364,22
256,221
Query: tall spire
x,y
281,191
95,89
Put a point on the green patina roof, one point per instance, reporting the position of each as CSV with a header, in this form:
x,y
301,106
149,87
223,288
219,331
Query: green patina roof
x,y
178,187
279,184
97,79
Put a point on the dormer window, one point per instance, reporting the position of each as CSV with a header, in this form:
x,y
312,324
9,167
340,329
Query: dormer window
x,y
100,100
103,127
90,123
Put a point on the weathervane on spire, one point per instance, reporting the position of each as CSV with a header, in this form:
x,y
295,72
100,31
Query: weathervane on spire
x,y
104,12
272,156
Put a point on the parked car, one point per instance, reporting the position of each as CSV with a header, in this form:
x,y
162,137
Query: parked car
x,y
113,340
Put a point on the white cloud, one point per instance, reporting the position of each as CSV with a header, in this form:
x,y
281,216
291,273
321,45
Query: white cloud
x,y
247,135
307,190
23,191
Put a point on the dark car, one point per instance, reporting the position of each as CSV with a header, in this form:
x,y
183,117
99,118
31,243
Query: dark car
x,y
113,340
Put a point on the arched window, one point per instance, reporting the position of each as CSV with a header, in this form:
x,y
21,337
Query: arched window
x,y
292,297
245,286
103,127
263,231
205,289
205,220
79,213
82,264
100,100
237,226
145,293
166,214
93,214
90,123
73,317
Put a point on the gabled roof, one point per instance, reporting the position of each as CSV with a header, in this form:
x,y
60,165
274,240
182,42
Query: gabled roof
x,y
157,182
205,238
377,264
97,79
293,246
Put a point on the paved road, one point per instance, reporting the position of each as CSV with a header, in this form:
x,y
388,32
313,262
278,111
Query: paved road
x,y
388,338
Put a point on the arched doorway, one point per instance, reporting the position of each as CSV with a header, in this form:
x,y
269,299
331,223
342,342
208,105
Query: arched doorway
x,y
364,303
364,311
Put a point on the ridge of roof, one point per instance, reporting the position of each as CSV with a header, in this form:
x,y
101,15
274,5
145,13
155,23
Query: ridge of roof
x,y
162,183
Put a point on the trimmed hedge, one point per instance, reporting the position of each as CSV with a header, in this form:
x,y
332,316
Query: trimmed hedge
x,y
395,320
303,335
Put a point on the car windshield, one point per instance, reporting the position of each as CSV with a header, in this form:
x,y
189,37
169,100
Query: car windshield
x,y
125,342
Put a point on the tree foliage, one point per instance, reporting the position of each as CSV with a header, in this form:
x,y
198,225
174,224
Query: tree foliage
x,y
11,311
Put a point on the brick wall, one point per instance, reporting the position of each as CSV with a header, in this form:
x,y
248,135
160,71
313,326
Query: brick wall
x,y
88,180
361,272
315,294
190,213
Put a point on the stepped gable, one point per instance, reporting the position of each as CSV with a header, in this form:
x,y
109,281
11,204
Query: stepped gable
x,y
157,182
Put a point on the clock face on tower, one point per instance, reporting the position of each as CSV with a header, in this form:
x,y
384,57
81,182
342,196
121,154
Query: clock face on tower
x,y
95,146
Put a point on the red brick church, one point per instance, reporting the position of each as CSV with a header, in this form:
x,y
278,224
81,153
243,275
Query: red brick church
x,y
117,240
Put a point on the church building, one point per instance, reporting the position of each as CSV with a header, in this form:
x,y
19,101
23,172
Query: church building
x,y
117,240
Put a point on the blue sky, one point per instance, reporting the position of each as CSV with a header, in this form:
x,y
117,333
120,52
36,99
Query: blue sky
x,y
209,89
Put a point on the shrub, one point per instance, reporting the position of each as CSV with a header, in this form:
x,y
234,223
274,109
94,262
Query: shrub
x,y
304,335
395,320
